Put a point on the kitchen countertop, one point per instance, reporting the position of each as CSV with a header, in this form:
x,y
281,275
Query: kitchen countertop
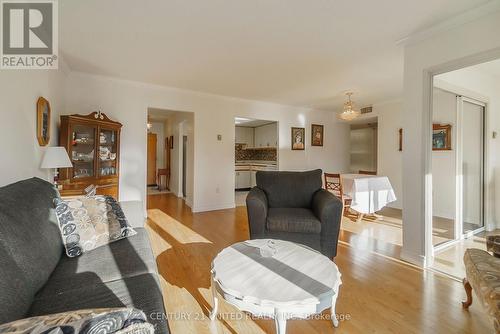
x,y
255,165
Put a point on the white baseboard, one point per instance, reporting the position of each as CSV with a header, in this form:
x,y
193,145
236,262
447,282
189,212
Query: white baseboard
x,y
212,207
416,259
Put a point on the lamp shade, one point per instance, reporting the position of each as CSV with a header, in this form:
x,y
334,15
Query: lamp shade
x,y
56,157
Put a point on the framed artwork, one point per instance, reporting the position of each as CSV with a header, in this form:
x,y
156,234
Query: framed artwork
x,y
316,135
441,137
171,142
42,121
400,140
298,138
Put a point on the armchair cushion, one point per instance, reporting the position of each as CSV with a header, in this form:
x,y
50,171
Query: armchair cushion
x,y
297,220
289,189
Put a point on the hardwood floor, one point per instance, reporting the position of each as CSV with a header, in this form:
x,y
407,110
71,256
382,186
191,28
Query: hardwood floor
x,y
378,295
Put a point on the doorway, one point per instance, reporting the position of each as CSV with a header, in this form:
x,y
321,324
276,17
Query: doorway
x,y
364,145
463,164
174,169
256,149
458,153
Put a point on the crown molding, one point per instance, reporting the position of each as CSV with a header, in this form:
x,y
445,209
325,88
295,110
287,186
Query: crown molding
x,y
455,21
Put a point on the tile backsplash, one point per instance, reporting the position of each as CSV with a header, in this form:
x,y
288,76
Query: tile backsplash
x,y
263,154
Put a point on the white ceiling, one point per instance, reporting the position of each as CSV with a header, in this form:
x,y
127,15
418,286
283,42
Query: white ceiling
x,y
297,52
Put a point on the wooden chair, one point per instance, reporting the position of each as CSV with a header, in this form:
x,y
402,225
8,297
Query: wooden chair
x,y
366,172
334,185
163,172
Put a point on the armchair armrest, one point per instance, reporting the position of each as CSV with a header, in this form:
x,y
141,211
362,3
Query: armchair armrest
x,y
257,211
328,209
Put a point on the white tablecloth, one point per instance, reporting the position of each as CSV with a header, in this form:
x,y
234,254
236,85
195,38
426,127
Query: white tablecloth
x,y
369,193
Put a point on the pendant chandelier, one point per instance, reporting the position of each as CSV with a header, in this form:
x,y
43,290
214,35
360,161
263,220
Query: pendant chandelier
x,y
349,113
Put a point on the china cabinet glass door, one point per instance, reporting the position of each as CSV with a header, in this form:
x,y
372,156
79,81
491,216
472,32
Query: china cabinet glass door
x,y
82,150
108,152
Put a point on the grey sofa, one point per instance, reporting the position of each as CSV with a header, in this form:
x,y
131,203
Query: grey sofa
x,y
293,206
37,278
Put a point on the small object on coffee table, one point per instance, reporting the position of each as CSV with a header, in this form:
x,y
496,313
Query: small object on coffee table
x,y
304,282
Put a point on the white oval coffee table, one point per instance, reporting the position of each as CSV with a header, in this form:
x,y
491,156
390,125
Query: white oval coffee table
x,y
295,282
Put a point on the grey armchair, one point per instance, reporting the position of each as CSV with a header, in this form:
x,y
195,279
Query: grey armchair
x,y
293,206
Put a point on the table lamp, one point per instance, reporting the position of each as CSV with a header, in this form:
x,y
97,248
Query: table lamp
x,y
56,157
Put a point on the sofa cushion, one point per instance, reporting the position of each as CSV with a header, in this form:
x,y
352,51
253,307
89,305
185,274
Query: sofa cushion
x,y
289,189
15,298
125,258
102,321
141,292
87,223
29,236
296,220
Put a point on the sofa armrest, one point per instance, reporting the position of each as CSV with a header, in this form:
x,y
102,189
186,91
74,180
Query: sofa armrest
x,y
328,209
257,207
493,244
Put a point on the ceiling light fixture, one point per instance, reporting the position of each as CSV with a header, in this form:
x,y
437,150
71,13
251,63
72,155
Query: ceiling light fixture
x,y
349,113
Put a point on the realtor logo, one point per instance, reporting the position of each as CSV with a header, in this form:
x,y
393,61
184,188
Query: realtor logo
x,y
29,34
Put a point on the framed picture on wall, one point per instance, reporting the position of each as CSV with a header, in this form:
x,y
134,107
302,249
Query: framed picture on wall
x,y
441,137
298,138
316,135
42,121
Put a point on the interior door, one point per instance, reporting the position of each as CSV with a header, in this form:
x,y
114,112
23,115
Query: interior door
x,y
151,176
472,165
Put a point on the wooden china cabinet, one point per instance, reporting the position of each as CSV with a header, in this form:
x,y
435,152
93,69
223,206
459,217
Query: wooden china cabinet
x,y
93,145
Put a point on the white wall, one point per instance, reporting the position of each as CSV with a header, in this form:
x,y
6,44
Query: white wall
x,y
19,91
389,161
128,102
485,87
157,127
457,46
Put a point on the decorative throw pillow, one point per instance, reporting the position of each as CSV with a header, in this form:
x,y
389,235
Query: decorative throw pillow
x,y
102,321
90,222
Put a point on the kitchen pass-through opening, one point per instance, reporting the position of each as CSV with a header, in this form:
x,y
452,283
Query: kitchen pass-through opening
x,y
256,148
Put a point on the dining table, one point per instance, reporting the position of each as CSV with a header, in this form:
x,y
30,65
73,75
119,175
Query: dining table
x,y
369,193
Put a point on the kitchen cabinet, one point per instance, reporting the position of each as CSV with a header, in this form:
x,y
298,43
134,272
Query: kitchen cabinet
x,y
244,135
243,179
266,135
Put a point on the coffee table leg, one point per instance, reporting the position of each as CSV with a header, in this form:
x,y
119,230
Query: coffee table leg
x,y
280,321
334,315
215,301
